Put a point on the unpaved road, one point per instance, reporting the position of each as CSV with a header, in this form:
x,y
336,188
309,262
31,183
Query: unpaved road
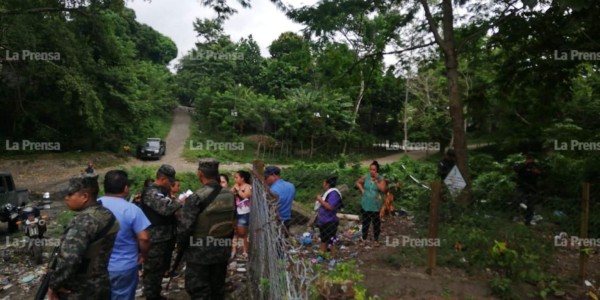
x,y
43,175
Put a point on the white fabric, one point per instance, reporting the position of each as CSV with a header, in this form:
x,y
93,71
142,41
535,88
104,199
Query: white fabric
x,y
318,204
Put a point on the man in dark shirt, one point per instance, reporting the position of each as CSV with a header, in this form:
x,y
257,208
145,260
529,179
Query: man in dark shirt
x,y
446,164
528,173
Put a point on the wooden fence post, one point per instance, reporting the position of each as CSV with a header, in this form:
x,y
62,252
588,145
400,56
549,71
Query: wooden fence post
x,y
585,215
258,166
436,190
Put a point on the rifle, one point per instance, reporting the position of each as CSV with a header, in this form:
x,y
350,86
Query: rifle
x,y
178,258
41,293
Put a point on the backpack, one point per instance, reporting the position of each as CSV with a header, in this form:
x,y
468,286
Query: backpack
x,y
216,220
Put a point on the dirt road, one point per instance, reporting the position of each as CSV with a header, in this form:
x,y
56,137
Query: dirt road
x,y
50,175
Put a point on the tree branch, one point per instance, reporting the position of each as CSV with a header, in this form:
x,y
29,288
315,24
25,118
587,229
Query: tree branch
x,y
41,10
521,118
398,51
484,29
432,25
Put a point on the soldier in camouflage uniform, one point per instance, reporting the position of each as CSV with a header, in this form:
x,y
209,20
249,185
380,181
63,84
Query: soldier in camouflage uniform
x,y
205,231
160,210
81,268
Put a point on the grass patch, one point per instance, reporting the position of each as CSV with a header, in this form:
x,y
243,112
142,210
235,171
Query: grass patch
x,y
198,139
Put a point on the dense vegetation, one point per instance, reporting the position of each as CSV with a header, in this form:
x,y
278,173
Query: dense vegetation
x,y
517,90
99,72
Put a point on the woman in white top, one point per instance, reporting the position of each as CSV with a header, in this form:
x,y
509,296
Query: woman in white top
x,y
242,191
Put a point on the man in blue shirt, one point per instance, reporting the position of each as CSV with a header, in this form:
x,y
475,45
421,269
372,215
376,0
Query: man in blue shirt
x,y
133,240
284,190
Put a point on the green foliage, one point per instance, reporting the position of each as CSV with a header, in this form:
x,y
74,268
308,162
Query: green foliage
x,y
341,272
137,175
62,220
501,287
107,72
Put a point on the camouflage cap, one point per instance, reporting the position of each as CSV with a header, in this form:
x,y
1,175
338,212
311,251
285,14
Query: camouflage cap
x,y
78,183
168,171
208,164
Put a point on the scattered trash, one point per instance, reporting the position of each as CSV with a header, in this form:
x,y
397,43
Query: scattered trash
x,y
27,278
241,270
306,239
558,213
139,292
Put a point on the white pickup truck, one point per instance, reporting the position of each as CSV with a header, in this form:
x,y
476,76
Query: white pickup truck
x,y
10,199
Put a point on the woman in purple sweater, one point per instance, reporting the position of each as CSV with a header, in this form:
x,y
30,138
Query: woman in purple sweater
x,y
328,205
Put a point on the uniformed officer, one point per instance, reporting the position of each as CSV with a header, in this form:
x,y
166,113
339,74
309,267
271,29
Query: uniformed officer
x,y
160,210
205,230
81,268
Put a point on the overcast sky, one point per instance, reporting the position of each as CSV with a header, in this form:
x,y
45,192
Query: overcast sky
x,y
174,18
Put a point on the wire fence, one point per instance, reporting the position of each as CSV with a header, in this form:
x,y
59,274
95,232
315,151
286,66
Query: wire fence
x,y
276,267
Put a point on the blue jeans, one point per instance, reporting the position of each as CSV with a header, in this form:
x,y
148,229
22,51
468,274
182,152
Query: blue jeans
x,y
123,284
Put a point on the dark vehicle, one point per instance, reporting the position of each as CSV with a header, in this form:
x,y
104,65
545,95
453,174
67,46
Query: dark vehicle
x,y
154,148
11,199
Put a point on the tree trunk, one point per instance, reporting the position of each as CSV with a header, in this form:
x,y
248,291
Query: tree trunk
x,y
355,115
312,145
456,109
447,44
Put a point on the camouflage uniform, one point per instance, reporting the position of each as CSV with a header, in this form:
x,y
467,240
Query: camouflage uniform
x,y
206,262
82,263
162,239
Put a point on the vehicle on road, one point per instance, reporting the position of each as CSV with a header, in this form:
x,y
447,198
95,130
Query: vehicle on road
x,y
154,148
11,200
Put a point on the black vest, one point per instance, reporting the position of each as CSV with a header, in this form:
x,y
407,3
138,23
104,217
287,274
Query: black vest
x,y
155,218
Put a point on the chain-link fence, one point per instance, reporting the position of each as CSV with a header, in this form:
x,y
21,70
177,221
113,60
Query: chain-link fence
x,y
276,268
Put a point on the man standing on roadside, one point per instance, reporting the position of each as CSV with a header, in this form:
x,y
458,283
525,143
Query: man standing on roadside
x,y
133,240
284,190
205,233
527,177
446,164
160,210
